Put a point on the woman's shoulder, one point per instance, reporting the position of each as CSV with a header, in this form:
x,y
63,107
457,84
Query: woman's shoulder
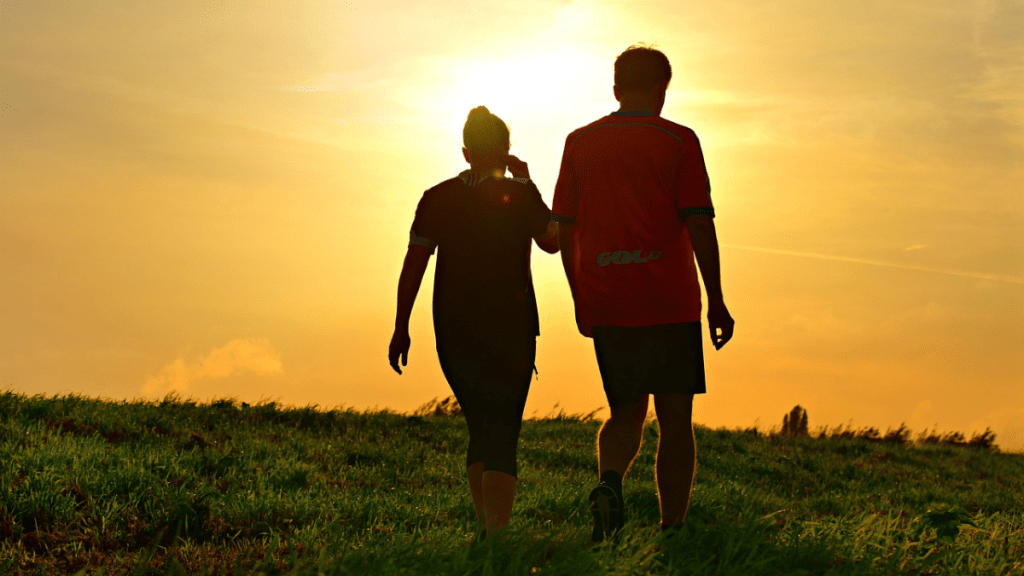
x,y
513,183
443,186
442,192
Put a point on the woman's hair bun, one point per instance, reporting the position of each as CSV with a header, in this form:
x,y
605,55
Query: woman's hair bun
x,y
484,132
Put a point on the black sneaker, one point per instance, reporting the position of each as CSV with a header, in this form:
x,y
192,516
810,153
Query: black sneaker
x,y
606,507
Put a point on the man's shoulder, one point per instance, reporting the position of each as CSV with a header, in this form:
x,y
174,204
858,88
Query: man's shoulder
x,y
572,135
684,133
679,129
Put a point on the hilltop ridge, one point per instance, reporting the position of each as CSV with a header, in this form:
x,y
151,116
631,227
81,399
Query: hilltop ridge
x,y
174,485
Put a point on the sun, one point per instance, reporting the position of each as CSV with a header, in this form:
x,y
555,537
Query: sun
x,y
526,90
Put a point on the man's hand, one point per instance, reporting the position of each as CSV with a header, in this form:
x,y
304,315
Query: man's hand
x,y
399,347
720,323
517,167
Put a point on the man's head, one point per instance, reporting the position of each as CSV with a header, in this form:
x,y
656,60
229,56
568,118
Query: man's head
x,y
485,138
642,73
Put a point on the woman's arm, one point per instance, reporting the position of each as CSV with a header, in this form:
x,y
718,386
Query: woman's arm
x,y
548,241
415,265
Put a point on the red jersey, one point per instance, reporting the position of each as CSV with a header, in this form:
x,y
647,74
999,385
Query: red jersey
x,y
626,181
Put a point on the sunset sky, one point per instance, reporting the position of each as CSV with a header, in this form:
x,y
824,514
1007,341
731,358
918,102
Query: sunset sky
x,y
214,198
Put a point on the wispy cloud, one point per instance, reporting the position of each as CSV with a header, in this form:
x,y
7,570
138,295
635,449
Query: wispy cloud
x,y
884,264
1008,424
240,355
997,42
346,81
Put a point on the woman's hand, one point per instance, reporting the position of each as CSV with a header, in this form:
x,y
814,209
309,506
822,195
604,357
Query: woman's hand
x,y
548,241
399,347
415,265
517,167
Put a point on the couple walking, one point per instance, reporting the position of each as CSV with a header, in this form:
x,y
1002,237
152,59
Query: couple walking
x,y
632,208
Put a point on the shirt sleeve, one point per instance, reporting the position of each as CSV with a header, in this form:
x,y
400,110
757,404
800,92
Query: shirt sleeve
x,y
694,192
426,227
565,205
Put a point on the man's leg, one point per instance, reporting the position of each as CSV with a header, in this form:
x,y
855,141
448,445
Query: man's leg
x,y
676,462
618,441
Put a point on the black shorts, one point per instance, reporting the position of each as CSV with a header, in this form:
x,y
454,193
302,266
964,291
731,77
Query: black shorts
x,y
639,360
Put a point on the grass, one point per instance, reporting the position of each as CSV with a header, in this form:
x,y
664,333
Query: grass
x,y
176,487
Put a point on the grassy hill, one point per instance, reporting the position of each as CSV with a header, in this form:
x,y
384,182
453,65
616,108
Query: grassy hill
x,y
175,487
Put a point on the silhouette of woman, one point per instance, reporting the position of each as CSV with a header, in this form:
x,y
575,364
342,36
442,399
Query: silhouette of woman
x,y
485,313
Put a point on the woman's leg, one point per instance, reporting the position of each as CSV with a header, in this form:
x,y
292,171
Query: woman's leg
x,y
499,491
491,384
500,470
468,403
475,472
501,438
475,458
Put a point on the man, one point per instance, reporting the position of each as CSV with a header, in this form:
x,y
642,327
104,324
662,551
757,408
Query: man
x,y
633,204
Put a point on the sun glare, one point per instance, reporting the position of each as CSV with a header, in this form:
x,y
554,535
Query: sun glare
x,y
525,90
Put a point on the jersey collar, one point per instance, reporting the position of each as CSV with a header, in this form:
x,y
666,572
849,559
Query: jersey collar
x,y
470,178
635,113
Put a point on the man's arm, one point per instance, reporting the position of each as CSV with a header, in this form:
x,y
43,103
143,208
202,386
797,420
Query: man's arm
x,y
705,248
415,265
568,248
565,244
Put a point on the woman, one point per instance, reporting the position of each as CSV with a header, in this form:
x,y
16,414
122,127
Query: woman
x,y
485,312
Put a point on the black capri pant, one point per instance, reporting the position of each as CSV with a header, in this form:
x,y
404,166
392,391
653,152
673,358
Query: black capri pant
x,y
490,378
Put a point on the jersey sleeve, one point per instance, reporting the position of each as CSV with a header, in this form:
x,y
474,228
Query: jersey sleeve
x,y
694,192
426,227
565,205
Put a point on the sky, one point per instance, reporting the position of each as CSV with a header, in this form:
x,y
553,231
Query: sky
x,y
214,199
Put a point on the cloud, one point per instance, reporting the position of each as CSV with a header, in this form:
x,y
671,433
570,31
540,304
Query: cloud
x,y
361,80
871,262
816,323
1008,424
997,43
921,417
240,355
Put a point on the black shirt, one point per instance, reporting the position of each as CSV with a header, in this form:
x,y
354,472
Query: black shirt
x,y
484,233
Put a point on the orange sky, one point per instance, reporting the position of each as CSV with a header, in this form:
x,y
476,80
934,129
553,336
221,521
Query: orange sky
x,y
215,199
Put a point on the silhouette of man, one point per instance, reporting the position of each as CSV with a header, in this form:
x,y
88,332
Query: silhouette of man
x,y
633,205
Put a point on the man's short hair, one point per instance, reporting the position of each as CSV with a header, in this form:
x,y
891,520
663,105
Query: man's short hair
x,y
641,68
